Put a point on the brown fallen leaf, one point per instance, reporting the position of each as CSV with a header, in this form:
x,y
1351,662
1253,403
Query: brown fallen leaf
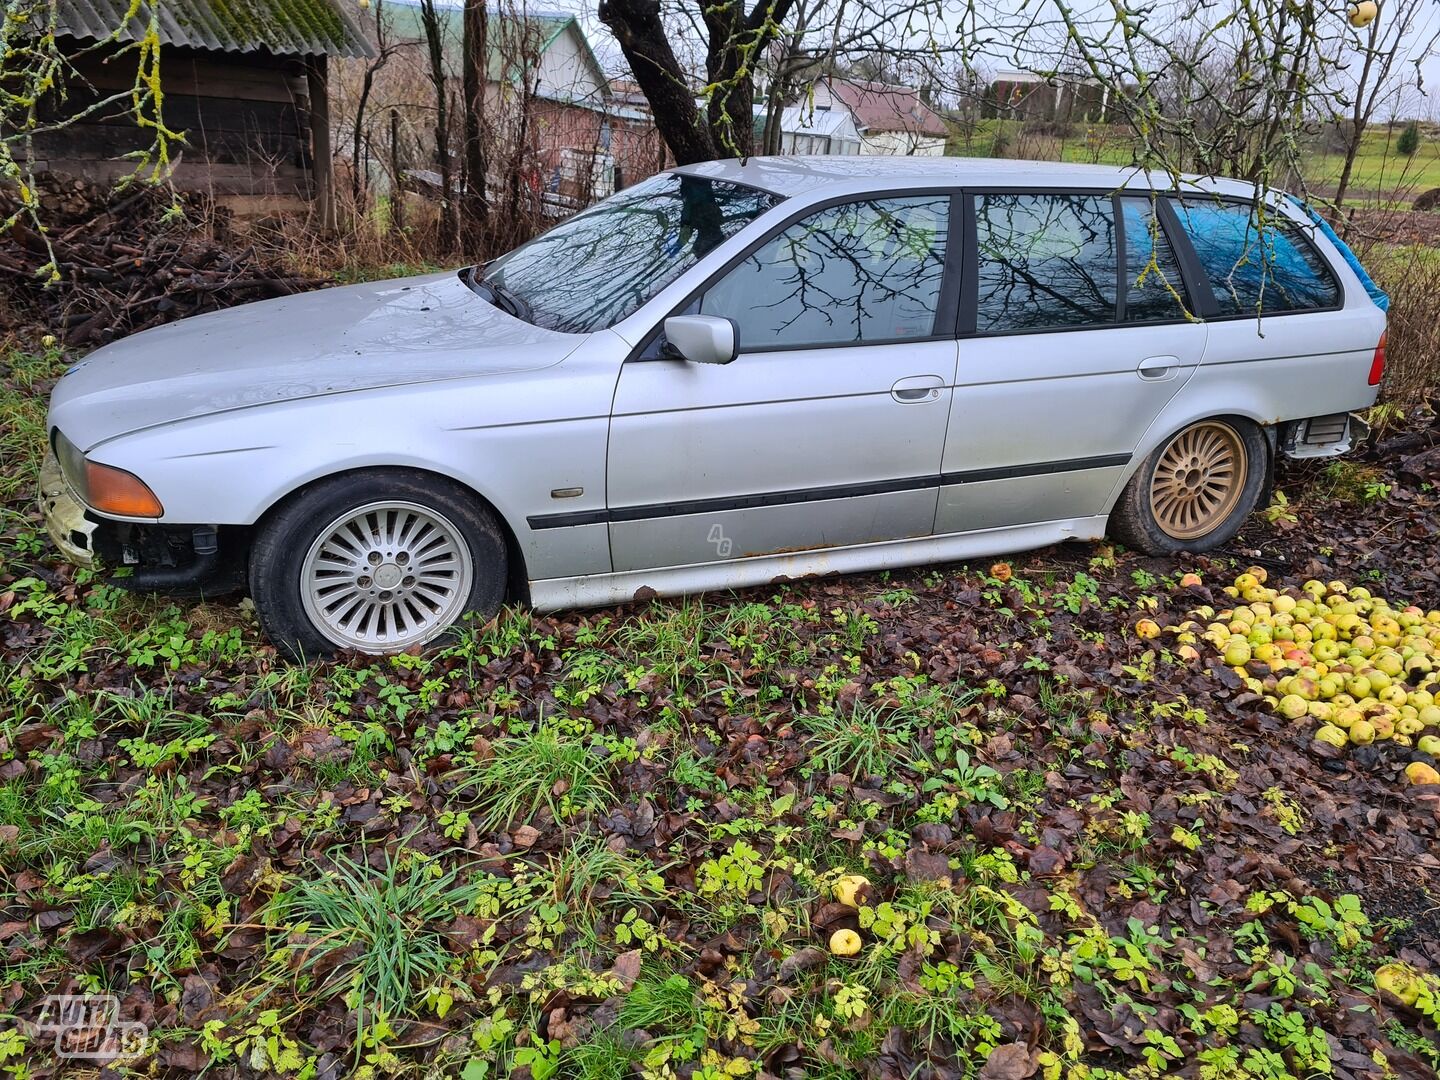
x,y
1013,1061
801,960
627,968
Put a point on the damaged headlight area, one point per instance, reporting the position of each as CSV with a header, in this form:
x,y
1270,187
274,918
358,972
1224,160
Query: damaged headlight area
x,y
103,487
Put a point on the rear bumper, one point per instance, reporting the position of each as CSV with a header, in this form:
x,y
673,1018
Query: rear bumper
x,y
1322,436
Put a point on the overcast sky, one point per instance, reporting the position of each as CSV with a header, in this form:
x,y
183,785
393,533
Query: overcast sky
x,y
1425,105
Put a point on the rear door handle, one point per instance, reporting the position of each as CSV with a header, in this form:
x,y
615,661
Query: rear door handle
x,y
917,389
1158,368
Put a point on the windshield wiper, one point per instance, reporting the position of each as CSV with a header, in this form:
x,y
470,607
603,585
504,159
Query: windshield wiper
x,y
505,299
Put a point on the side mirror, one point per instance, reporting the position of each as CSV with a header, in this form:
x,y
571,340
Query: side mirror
x,y
702,339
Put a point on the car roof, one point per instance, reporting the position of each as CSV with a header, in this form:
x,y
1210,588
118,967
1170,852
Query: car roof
x,y
847,174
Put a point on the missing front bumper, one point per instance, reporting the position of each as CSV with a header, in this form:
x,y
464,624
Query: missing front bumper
x,y
70,530
180,559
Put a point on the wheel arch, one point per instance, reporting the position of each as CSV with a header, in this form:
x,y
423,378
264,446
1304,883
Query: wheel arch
x,y
1166,427
517,585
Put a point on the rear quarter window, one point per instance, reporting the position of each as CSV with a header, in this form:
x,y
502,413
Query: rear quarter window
x,y
1256,266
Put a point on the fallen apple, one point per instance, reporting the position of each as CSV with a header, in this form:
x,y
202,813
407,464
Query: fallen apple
x,y
848,888
1399,981
845,943
1418,773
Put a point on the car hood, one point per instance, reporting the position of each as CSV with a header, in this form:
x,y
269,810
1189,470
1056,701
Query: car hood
x,y
359,337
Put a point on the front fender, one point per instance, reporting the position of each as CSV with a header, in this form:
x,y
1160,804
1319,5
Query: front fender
x,y
513,439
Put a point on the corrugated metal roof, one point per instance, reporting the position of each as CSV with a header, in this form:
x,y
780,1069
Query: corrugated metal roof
x,y
282,27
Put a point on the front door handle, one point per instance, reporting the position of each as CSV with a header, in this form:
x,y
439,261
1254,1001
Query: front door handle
x,y
916,389
1158,368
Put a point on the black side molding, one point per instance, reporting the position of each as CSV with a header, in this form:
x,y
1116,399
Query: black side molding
x,y
819,494
1039,468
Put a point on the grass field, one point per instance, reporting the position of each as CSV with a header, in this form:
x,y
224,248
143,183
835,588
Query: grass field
x,y
1381,174
613,844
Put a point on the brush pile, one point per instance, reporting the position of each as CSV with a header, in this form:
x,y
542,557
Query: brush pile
x,y
126,261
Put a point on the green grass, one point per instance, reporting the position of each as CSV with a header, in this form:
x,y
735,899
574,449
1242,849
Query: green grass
x,y
606,1056
22,416
1380,168
598,843
590,877
372,934
1381,177
864,739
548,767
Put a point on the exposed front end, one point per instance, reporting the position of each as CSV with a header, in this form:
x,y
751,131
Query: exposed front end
x,y
176,558
70,530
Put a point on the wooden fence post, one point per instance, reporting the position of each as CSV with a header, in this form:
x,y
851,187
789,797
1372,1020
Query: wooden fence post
x,y
318,77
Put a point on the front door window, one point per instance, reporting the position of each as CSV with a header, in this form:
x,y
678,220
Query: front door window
x,y
858,273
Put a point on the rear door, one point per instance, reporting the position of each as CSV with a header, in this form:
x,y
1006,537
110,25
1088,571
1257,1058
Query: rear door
x,y
1076,330
827,429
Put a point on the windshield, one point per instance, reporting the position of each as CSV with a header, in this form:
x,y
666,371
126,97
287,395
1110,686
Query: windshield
x,y
595,268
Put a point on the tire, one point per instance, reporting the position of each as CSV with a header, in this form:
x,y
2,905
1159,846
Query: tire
x,y
1179,500
380,561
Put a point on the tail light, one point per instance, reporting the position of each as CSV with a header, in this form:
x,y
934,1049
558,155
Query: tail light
x,y
1377,365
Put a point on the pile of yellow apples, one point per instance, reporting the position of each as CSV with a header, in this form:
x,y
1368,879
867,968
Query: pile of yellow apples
x,y
1328,654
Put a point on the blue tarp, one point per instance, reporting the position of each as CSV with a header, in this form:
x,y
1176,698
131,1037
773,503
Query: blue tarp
x,y
1379,295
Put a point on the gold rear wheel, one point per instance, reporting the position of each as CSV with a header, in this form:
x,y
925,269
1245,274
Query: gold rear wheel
x,y
1199,480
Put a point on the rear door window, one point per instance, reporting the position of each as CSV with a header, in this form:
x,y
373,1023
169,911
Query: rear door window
x,y
1154,289
1044,261
1254,265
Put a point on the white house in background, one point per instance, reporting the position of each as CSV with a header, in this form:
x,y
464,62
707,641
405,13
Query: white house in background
x,y
579,139
815,129
890,119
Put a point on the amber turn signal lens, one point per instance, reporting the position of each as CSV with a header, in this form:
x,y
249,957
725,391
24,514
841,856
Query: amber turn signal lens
x,y
115,491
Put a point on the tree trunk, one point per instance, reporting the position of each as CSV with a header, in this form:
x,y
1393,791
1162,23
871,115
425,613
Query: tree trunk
x,y
397,183
734,44
641,35
1359,119
357,174
475,207
518,171
772,136
731,109
1351,151
435,46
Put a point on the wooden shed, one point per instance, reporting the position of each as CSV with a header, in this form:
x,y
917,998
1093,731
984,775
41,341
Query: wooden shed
x,y
245,80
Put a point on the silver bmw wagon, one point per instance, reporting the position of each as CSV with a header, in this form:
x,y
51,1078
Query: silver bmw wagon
x,y
727,374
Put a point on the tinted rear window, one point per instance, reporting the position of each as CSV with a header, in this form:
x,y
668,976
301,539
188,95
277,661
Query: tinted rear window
x,y
1044,261
1154,289
1255,269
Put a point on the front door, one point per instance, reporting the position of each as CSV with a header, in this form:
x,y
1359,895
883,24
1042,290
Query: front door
x,y
827,429
1066,362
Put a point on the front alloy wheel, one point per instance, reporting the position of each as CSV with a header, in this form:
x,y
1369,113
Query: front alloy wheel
x,y
386,576
1195,490
375,562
